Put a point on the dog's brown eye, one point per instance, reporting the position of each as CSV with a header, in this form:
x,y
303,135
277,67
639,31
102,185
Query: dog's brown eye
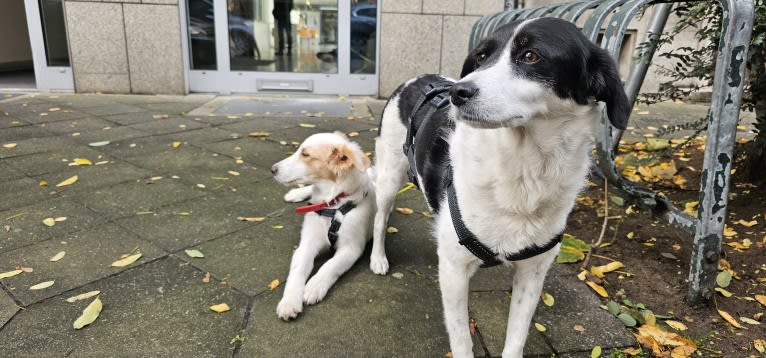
x,y
530,57
481,56
304,153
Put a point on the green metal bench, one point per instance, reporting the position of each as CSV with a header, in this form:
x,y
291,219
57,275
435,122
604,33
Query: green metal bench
x,y
613,17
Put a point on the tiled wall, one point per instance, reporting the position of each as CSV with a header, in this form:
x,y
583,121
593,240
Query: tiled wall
x,y
125,46
426,36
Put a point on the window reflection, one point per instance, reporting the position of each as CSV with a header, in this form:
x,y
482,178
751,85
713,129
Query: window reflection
x,y
363,36
54,33
201,34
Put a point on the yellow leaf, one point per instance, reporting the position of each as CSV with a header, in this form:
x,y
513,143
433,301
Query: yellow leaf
x,y
82,296
222,307
747,223
678,326
126,261
233,173
10,145
691,208
548,299
251,218
761,299
259,134
201,186
728,231
582,275
392,230
160,116
723,292
49,222
307,125
60,218
599,271
679,180
404,211
273,284
539,327
42,285
82,161
69,181
759,345
89,314
176,144
353,134
598,288
749,321
10,274
43,183
278,226
57,256
726,316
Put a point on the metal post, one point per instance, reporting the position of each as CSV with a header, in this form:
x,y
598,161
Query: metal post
x,y
737,26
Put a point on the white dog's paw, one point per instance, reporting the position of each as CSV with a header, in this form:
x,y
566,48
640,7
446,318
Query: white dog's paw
x,y
289,308
315,290
297,195
379,264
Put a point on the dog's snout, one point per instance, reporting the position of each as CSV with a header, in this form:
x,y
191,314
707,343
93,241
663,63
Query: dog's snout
x,y
274,169
461,92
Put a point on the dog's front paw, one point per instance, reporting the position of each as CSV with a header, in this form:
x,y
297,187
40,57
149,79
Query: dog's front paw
x,y
289,308
379,264
297,195
315,290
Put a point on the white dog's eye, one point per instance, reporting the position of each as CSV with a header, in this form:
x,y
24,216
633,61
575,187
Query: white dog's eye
x,y
304,154
481,56
530,57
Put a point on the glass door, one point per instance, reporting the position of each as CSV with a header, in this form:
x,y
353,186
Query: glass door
x,y
319,46
50,50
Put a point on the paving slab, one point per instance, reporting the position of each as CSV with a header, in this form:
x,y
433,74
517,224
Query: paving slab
x,y
85,124
23,132
129,118
7,172
363,315
36,145
156,310
295,105
112,107
24,225
92,177
133,197
89,255
46,116
168,125
8,120
260,152
111,134
246,125
54,161
8,308
22,192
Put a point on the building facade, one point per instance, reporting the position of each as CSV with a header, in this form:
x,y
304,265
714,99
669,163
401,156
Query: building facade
x,y
344,47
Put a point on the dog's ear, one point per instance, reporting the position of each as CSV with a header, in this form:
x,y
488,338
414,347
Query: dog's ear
x,y
470,64
344,157
604,84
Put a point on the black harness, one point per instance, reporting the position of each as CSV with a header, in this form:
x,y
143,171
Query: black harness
x,y
332,233
437,96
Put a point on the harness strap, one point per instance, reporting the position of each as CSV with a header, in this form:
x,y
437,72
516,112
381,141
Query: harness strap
x,y
332,233
481,251
436,94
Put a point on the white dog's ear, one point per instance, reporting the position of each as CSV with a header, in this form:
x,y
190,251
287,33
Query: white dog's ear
x,y
344,157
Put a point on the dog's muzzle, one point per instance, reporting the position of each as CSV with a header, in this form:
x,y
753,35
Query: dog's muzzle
x,y
462,92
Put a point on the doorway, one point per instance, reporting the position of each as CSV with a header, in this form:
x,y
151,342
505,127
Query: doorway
x,y
318,46
16,66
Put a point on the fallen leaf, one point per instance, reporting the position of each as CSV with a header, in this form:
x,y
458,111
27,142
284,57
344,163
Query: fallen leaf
x,y
548,299
726,316
201,186
42,285
678,326
69,181
251,218
392,230
307,125
10,145
572,250
596,352
273,284
126,261
89,314
691,208
175,144
160,116
60,219
278,227
10,274
206,279
653,144
539,327
598,288
57,256
82,161
43,183
82,296
233,173
723,292
579,328
49,222
404,211
627,320
222,307
599,271
759,345
259,134
728,231
723,279
750,223
761,299
194,253
99,144
749,321
353,134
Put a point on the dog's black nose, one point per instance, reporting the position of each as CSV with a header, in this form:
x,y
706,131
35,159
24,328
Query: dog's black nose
x,y
274,169
461,92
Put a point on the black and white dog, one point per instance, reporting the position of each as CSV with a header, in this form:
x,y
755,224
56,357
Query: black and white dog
x,y
501,164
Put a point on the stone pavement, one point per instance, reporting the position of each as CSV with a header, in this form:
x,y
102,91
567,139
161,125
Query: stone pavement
x,y
176,174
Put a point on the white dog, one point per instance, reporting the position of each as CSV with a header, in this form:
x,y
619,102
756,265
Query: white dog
x,y
340,218
500,156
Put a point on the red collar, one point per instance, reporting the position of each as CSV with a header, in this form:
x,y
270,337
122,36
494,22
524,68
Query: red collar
x,y
310,208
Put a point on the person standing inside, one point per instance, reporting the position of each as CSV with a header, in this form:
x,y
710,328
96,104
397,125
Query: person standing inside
x,y
281,14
